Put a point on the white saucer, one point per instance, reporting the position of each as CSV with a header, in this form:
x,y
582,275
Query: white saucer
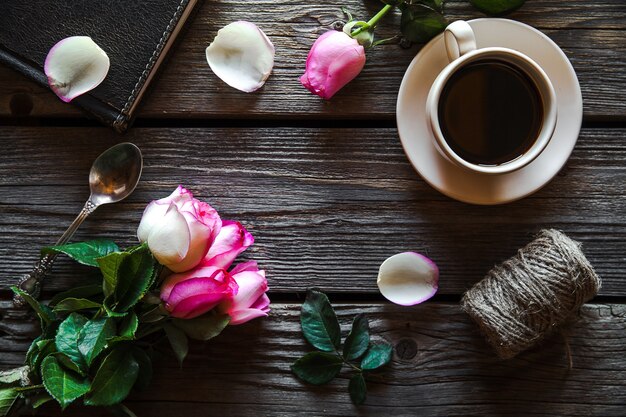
x,y
459,183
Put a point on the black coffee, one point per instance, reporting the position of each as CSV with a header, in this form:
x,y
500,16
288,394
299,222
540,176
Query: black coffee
x,y
490,112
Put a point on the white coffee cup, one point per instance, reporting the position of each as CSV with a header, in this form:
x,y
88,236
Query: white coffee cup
x,y
461,49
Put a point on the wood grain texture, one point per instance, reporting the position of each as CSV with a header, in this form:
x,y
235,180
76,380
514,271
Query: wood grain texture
x,y
326,206
590,33
441,367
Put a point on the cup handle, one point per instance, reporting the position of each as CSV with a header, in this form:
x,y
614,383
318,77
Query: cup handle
x,y
459,39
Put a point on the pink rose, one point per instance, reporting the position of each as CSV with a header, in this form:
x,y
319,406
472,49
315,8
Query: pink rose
x,y
198,291
334,60
250,301
179,229
232,239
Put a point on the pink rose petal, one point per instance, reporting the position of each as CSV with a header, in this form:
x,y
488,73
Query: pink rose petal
x,y
245,315
195,296
229,243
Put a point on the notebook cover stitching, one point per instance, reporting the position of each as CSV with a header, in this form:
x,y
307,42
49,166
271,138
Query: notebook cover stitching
x,y
122,116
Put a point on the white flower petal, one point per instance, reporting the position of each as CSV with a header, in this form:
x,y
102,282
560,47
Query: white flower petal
x,y
74,66
242,56
199,240
152,217
169,241
408,278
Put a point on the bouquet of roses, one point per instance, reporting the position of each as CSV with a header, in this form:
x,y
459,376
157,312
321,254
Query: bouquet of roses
x,y
95,340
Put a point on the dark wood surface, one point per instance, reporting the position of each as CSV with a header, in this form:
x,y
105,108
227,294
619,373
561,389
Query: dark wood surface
x,y
441,367
326,206
328,200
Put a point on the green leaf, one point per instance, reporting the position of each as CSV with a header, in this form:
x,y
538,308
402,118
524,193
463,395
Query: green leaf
x,y
85,253
39,399
93,338
157,313
108,266
377,356
7,399
317,367
114,379
69,305
497,7
358,340
145,369
128,326
67,363
65,386
45,314
126,329
32,351
204,327
86,291
67,338
420,23
112,313
127,277
178,341
39,349
357,389
319,322
135,276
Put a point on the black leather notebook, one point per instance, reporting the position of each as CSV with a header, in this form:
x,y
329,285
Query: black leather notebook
x,y
136,35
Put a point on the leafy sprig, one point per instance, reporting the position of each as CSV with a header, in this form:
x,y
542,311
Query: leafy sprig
x,y
322,330
421,20
89,346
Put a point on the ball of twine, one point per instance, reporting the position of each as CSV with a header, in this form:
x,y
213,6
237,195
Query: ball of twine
x,y
522,300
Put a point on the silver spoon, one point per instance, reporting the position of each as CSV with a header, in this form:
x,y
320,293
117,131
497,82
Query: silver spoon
x,y
113,177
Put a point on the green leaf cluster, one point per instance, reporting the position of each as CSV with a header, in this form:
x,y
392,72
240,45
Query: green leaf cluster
x,y
86,349
422,20
322,330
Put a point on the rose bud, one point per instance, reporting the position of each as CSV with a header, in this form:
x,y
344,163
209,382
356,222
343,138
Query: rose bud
x,y
334,60
250,301
196,292
179,229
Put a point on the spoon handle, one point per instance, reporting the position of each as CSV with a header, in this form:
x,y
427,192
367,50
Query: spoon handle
x,y
31,282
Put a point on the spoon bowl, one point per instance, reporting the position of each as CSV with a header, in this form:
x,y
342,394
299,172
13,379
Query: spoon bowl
x,y
115,174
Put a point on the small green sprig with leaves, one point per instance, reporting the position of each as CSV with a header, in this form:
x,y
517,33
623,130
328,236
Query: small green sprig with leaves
x,y
321,329
421,20
97,341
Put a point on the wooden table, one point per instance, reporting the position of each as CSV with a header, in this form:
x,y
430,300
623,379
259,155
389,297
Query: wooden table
x,y
329,194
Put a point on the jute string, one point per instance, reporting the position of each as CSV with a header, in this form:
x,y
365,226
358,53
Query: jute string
x,y
522,300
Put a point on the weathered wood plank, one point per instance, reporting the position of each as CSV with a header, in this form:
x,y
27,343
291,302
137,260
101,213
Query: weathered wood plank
x,y
326,206
590,33
441,367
